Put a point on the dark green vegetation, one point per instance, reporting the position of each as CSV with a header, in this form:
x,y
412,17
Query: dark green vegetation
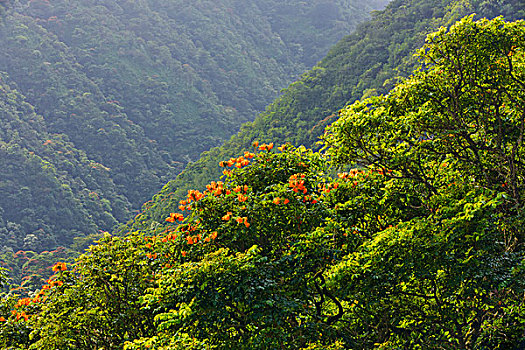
x,y
103,102
363,64
419,244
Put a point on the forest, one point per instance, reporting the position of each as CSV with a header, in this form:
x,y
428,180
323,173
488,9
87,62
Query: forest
x,y
375,204
102,103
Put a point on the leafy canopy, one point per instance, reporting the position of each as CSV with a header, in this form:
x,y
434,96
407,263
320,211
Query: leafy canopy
x,y
417,245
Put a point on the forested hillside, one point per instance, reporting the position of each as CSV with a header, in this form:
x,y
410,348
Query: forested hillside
x,y
417,243
363,64
102,103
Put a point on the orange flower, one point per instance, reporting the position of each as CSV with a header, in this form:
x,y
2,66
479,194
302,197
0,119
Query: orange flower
x,y
239,220
241,198
276,200
60,266
184,253
207,239
2,319
221,164
270,146
255,144
190,239
246,223
175,216
227,217
213,235
286,201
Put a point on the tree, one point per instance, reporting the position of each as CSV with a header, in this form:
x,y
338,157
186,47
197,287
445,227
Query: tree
x,y
415,245
452,137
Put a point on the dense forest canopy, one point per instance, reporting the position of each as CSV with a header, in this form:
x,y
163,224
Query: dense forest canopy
x,y
102,103
363,64
404,232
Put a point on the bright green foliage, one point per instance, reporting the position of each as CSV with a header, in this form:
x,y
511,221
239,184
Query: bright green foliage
x,y
97,304
363,64
453,134
418,245
101,103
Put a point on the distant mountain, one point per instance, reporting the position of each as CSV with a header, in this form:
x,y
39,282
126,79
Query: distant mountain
x,y
362,64
101,103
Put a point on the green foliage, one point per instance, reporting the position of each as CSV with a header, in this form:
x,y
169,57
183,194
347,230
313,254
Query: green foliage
x,y
436,280
99,107
417,244
419,247
365,63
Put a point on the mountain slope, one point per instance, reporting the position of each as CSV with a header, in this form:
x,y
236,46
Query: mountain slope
x,y
362,64
127,92
419,245
49,191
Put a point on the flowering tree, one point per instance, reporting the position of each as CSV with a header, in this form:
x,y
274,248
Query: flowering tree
x,y
416,243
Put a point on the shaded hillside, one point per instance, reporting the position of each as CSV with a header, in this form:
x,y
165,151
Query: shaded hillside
x,y
104,102
50,192
363,64
419,245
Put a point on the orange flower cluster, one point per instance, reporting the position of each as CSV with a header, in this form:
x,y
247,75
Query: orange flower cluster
x,y
195,239
2,319
348,175
240,196
23,302
60,266
278,201
194,195
188,228
296,182
326,188
54,283
241,188
216,188
309,199
237,162
19,315
170,237
152,256
228,216
241,220
266,147
175,216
